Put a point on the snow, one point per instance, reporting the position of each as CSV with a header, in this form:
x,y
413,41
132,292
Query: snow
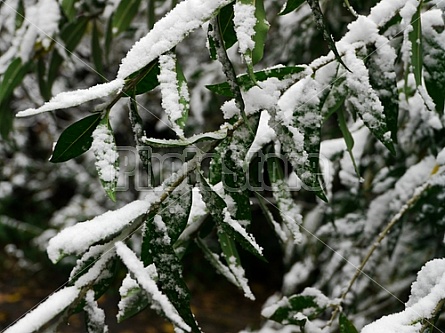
x,y
244,20
160,302
169,91
104,149
73,98
47,310
79,237
426,293
263,136
167,32
238,271
96,316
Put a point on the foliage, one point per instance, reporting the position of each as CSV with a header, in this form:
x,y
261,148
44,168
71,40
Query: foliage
x,y
358,130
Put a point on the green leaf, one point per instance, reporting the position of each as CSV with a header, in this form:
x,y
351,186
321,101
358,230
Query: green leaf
x,y
435,68
261,29
246,82
146,79
69,9
185,142
349,140
12,77
291,5
104,149
96,51
323,27
225,21
288,307
75,139
168,266
345,325
132,302
124,15
415,37
20,15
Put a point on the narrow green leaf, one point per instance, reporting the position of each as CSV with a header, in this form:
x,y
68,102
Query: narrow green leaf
x,y
415,37
349,140
96,51
290,6
69,9
225,21
261,29
20,15
41,78
124,15
12,77
346,325
107,158
132,302
212,42
75,139
246,82
323,27
434,70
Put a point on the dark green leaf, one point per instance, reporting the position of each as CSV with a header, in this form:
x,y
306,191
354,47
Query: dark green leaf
x,y
183,99
96,51
246,82
124,15
76,139
69,9
41,78
225,21
12,77
291,5
212,43
415,37
345,325
20,16
146,78
323,27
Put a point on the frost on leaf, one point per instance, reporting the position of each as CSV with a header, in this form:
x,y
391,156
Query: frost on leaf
x,y
107,158
364,100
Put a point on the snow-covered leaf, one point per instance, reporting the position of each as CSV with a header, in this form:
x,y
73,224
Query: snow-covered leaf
x,y
245,81
133,298
75,139
184,142
107,158
415,37
290,6
158,243
124,15
174,91
158,301
349,140
363,99
288,209
95,316
382,77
